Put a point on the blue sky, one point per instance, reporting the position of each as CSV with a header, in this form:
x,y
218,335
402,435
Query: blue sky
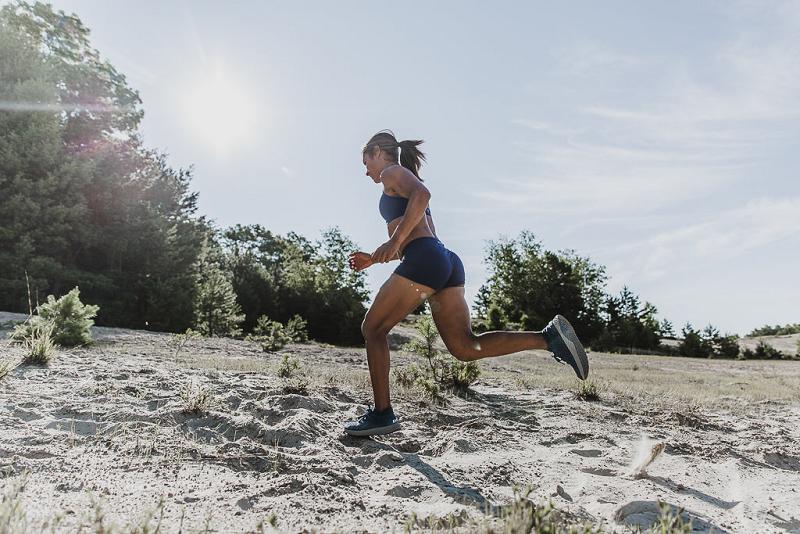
x,y
661,139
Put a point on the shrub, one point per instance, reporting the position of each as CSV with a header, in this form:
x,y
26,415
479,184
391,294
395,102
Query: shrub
x,y
588,391
442,372
38,343
288,367
765,351
727,347
297,329
71,319
196,398
181,340
408,375
294,380
463,374
271,334
776,330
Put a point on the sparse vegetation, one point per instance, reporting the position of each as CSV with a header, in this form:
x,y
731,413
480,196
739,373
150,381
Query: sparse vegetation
x,y
182,340
670,522
5,368
38,343
707,343
522,515
13,519
294,380
271,334
442,372
776,330
764,351
588,391
196,398
71,320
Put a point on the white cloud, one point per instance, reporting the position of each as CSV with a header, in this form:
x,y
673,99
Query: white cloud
x,y
691,135
719,238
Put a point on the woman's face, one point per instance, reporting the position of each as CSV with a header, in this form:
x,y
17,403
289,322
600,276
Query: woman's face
x,y
374,162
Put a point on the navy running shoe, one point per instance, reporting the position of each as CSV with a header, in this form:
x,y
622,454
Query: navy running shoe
x,y
565,345
373,423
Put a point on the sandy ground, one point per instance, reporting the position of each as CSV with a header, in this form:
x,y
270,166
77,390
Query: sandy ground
x,y
104,429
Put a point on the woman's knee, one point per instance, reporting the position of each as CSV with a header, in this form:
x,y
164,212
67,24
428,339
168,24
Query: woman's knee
x,y
372,329
466,350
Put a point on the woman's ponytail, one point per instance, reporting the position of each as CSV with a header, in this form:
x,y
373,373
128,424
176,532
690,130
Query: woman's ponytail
x,y
409,155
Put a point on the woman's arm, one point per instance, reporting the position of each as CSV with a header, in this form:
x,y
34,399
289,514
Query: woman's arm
x,y
404,182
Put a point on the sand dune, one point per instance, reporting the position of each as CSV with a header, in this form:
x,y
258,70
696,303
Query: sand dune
x,y
107,424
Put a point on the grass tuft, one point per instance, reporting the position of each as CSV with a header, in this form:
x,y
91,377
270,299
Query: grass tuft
x,y
670,521
38,343
5,368
588,391
196,398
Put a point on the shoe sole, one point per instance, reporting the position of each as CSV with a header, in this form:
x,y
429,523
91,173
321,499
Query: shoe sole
x,y
374,431
574,345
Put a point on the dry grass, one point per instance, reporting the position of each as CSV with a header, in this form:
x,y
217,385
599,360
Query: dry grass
x,y
659,380
5,368
196,398
38,344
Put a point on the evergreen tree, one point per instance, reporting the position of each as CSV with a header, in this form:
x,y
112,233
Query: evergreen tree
x,y
216,311
84,203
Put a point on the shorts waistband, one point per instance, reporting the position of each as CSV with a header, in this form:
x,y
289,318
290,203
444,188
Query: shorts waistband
x,y
415,240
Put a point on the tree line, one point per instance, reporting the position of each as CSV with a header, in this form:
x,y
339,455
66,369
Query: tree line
x,y
86,204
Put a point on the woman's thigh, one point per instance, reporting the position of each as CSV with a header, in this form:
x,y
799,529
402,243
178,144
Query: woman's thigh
x,y
397,297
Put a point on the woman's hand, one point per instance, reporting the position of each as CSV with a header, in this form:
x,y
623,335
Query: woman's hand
x,y
360,261
386,252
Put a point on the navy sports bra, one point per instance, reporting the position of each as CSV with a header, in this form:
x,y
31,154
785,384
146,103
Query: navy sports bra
x,y
394,207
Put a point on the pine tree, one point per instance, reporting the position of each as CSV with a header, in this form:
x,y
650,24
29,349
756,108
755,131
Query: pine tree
x,y
216,311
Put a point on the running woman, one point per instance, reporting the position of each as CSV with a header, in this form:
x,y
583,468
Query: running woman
x,y
428,270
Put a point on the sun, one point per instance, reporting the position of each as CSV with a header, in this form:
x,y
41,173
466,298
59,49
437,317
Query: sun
x,y
220,111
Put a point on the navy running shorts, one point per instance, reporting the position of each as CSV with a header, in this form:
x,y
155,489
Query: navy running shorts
x,y
426,261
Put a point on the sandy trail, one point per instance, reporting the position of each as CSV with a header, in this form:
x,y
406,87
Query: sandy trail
x,y
107,423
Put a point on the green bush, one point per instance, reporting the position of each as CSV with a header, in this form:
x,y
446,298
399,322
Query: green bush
x,y
294,380
288,367
442,372
271,334
463,374
776,330
297,329
71,320
763,351
216,310
407,376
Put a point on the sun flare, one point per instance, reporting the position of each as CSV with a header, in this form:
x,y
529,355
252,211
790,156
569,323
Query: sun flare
x,y
220,111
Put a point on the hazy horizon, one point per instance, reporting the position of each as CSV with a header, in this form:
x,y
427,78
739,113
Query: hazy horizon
x,y
658,140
